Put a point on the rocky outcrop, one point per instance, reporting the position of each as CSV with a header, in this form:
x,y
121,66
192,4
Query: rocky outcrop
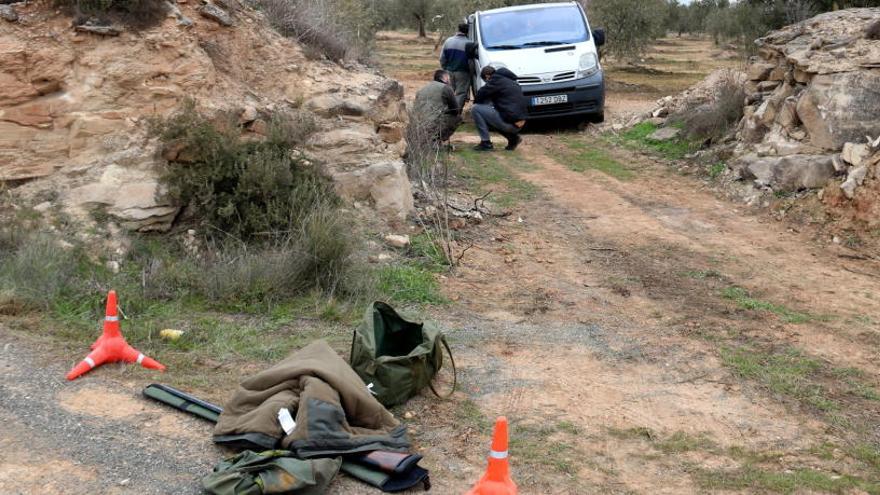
x,y
75,107
812,93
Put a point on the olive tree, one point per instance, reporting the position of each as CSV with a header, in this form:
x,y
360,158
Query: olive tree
x,y
631,25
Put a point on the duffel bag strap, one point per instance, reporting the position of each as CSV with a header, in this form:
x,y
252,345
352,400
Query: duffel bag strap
x,y
454,373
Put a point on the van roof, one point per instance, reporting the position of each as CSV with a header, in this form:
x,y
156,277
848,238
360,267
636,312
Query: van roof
x,y
527,7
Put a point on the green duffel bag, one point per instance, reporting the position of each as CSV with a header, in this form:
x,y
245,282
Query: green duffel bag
x,y
397,358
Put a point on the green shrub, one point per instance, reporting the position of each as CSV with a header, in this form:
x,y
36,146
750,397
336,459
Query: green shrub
x,y
246,190
136,14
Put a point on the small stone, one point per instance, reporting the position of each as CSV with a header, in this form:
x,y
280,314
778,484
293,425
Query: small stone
x,y
8,13
215,13
835,240
855,154
249,114
660,112
90,27
855,179
409,415
397,241
125,482
664,134
113,266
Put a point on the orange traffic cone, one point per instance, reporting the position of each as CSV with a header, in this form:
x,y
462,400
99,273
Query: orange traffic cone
x,y
497,480
111,346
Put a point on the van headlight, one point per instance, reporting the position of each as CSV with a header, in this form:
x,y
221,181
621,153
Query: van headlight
x,y
589,65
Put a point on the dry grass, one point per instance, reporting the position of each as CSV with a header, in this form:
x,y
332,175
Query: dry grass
x,y
712,120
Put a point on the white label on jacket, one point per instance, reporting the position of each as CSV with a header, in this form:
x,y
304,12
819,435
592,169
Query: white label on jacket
x,y
286,420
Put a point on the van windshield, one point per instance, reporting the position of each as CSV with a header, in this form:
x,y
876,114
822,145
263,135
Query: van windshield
x,y
544,26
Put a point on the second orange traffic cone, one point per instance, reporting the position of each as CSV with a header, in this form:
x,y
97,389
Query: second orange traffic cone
x,y
111,346
497,480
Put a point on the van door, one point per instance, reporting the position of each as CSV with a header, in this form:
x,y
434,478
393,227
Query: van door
x,y
474,62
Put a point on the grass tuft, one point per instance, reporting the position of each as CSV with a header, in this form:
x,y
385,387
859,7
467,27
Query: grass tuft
x,y
579,157
638,136
786,372
410,284
743,299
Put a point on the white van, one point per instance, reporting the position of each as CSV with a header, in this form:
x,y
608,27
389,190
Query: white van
x,y
552,51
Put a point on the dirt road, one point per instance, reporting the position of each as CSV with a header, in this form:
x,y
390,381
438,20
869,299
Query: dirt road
x,y
642,335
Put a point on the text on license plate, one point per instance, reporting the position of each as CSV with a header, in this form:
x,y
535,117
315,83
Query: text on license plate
x,y
549,100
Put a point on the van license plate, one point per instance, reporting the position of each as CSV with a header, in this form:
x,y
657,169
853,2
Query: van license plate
x,y
549,100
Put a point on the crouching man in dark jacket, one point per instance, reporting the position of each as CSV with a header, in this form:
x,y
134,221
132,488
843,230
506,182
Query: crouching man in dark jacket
x,y
500,106
436,108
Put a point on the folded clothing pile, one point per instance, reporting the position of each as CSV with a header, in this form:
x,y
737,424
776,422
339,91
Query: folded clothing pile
x,y
314,407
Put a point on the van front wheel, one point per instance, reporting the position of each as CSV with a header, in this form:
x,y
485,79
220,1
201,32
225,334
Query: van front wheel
x,y
596,118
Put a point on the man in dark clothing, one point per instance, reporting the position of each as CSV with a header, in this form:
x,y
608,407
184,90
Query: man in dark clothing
x,y
500,106
454,59
436,108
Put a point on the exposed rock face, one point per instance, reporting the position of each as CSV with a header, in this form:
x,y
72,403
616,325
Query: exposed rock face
x,y
842,107
74,107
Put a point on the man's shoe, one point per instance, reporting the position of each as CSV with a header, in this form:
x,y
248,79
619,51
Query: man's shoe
x,y
513,141
484,146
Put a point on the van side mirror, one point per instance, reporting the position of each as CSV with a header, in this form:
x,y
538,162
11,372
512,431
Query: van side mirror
x,y
599,37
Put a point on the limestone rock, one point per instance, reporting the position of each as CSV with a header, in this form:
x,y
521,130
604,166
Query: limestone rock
x,y
347,140
333,105
855,154
759,71
131,195
385,183
95,27
837,108
397,241
8,12
391,132
664,134
787,116
791,173
804,44
215,13
854,179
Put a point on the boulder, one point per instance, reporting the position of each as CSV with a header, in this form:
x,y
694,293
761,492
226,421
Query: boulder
x,y
385,183
664,134
347,140
790,173
130,194
838,108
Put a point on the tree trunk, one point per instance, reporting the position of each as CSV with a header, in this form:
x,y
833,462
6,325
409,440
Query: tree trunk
x,y
422,33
